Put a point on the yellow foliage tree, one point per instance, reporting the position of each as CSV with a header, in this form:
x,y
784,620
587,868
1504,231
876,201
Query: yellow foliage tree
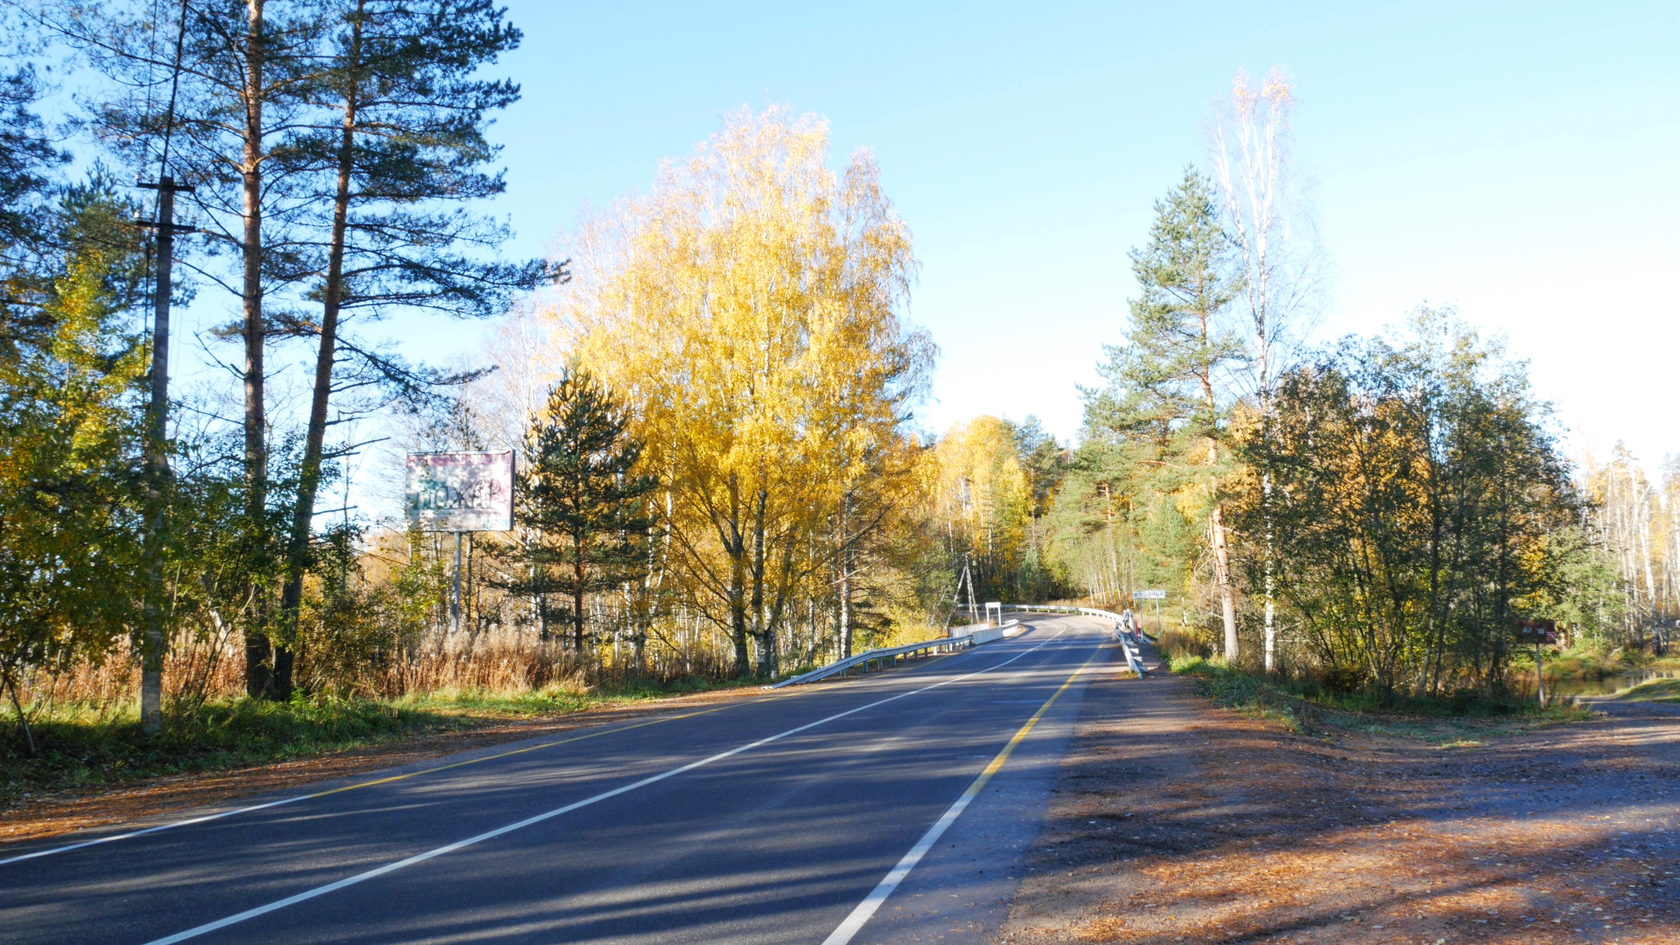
x,y
67,434
746,310
985,499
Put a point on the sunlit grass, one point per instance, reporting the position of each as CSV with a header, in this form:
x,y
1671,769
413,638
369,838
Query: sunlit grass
x,y
1657,690
1460,720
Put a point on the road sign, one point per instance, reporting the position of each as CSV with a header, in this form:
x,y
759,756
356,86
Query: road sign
x,y
461,492
1537,631
1149,595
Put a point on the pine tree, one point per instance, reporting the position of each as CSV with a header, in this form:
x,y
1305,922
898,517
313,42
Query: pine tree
x,y
238,92
400,137
1167,384
26,156
582,497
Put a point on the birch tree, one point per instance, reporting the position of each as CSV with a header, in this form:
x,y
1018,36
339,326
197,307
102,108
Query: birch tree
x,y
747,311
985,502
1250,139
1632,522
69,429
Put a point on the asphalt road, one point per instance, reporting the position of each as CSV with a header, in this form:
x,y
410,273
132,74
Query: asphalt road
x,y
835,813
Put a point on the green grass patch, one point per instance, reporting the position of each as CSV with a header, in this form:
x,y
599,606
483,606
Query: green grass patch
x,y
81,748
1306,705
1657,690
81,754
485,704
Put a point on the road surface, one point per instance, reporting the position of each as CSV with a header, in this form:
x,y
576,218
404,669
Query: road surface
x,y
893,808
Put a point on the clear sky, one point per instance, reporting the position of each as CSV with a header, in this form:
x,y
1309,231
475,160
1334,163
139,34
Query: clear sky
x,y
1517,160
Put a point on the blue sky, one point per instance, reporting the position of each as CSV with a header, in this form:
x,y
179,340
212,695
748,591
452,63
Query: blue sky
x,y
1517,160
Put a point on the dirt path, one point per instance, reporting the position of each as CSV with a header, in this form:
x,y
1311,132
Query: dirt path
x,y
1176,821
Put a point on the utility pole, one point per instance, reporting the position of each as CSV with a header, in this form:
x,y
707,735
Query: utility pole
x,y
966,578
153,635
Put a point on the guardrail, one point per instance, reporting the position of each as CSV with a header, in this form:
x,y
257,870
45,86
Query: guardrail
x,y
1059,609
1134,656
976,638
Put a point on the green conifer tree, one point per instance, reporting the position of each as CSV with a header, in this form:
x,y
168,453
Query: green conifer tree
x,y
582,498
1167,387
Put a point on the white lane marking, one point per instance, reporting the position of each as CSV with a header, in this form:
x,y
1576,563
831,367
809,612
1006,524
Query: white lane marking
x,y
352,787
140,833
376,872
50,851
866,909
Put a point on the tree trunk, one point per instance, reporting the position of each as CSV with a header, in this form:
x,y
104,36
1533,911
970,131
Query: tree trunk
x,y
1268,574
22,716
1222,579
580,572
845,583
755,590
309,475
268,668
1216,529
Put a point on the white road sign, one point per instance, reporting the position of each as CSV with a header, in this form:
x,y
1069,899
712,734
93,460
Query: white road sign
x,y
461,492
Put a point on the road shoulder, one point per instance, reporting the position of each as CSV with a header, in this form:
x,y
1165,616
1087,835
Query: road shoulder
x,y
1177,821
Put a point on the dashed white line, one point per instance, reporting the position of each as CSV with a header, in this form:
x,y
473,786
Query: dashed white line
x,y
866,909
376,872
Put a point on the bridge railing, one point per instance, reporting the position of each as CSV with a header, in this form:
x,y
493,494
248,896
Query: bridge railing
x,y
882,656
1060,609
975,638
1129,643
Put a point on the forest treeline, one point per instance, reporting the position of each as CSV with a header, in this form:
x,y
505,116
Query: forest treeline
x,y
712,402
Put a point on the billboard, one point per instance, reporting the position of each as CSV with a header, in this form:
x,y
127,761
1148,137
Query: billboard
x,y
460,492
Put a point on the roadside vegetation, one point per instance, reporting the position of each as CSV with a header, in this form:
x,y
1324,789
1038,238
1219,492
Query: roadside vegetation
x,y
1657,690
713,407
1309,705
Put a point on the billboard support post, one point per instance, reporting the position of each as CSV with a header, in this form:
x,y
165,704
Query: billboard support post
x,y
460,493
1538,631
1157,595
455,590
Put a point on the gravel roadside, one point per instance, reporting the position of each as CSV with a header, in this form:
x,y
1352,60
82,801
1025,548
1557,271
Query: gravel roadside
x,y
1178,821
